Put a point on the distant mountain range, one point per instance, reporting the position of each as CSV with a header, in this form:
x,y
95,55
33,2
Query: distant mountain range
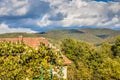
x,y
92,35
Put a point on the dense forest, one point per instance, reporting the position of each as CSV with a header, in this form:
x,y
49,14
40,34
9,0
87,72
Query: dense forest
x,y
89,62
92,62
21,62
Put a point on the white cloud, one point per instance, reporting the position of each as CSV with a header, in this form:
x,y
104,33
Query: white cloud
x,y
13,7
111,23
44,21
117,25
115,7
67,13
21,11
4,28
86,13
82,13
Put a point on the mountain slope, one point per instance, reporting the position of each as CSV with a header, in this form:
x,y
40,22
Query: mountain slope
x,y
95,36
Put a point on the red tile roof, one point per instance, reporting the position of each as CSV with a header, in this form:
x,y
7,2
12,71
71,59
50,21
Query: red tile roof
x,y
33,42
66,60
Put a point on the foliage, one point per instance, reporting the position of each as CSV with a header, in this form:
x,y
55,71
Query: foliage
x,y
19,61
91,62
116,47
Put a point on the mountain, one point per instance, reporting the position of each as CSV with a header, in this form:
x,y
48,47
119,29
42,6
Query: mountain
x,y
92,35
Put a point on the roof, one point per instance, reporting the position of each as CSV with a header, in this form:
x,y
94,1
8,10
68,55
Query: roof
x,y
34,42
66,60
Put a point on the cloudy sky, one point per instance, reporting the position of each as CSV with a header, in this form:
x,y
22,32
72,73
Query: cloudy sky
x,y
37,15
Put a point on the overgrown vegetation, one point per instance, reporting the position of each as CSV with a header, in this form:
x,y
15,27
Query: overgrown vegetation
x,y
20,62
91,62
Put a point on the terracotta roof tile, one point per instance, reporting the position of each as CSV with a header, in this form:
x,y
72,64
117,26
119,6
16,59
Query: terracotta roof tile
x,y
66,60
33,42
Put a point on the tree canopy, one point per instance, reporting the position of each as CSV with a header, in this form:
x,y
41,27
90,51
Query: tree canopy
x,y
19,61
92,62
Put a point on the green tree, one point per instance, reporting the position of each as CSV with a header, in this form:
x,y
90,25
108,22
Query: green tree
x,y
116,47
105,49
19,61
76,50
90,62
79,52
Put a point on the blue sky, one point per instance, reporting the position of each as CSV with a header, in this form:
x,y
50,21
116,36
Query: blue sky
x,y
37,15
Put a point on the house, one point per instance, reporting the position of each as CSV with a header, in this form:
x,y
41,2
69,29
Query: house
x,y
34,42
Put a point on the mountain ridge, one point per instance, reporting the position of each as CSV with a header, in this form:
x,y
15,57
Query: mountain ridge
x,y
91,35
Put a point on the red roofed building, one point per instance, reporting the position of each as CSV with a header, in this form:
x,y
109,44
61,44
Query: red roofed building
x,y
34,42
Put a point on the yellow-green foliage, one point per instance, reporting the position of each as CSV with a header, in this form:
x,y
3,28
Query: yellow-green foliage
x,y
90,62
19,62
116,47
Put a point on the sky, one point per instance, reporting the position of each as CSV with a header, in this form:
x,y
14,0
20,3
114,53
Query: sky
x,y
33,16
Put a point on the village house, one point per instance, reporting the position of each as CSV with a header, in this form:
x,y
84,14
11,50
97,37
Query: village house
x,y
34,42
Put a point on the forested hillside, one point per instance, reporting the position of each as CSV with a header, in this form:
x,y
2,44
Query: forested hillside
x,y
91,62
95,36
